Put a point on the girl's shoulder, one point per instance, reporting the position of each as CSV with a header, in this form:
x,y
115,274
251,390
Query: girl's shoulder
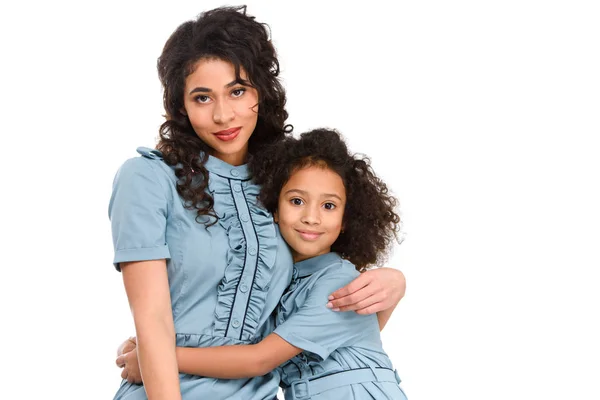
x,y
340,267
331,272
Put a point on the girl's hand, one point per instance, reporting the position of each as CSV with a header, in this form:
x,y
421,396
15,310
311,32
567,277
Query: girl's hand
x,y
127,359
127,346
373,291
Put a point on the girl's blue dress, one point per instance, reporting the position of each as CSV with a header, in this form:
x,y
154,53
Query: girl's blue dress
x,y
343,356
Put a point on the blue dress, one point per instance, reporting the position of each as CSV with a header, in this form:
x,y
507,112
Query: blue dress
x,y
342,354
225,280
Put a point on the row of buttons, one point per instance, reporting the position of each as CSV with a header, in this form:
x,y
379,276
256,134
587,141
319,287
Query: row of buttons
x,y
239,308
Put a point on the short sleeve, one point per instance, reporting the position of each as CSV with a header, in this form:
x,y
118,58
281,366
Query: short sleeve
x,y
318,329
138,213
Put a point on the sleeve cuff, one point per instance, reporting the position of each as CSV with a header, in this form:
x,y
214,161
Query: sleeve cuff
x,y
302,343
143,254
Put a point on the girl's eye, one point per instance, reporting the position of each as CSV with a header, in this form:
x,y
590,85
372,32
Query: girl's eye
x,y
238,92
329,206
202,99
296,201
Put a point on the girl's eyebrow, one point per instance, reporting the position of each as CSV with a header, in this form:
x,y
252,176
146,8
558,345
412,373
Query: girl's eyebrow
x,y
202,89
304,193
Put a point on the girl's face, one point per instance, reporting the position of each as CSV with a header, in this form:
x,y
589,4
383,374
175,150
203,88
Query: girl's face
x,y
222,111
311,210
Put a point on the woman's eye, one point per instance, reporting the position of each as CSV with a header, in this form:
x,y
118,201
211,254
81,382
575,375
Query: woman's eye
x,y
296,202
202,99
238,92
329,206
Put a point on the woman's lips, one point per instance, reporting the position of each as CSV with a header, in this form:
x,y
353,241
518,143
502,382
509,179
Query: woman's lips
x,y
309,235
228,134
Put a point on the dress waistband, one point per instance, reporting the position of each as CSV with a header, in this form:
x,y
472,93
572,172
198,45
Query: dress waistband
x,y
303,389
209,340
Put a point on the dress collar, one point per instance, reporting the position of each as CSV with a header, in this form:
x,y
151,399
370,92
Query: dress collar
x,y
314,264
213,164
221,168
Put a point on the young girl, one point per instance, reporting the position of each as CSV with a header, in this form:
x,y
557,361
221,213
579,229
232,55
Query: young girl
x,y
338,219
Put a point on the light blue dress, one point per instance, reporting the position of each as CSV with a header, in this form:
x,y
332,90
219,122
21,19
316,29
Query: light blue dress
x,y
333,342
225,280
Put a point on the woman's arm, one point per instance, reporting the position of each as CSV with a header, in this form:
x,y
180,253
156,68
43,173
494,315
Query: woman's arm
x,y
375,291
147,287
225,362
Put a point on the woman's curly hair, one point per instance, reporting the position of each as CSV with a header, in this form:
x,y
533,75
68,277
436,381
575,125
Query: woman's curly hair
x,y
228,34
370,221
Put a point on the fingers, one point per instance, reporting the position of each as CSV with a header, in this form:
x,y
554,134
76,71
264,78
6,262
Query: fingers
x,y
120,361
362,304
372,309
353,299
357,284
127,346
131,379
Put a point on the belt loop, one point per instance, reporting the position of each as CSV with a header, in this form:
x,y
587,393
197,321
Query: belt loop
x,y
374,373
297,396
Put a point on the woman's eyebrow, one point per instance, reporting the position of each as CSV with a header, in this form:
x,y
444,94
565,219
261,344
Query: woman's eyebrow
x,y
202,89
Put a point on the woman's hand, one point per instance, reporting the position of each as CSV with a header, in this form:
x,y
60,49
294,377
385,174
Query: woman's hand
x,y
128,360
373,291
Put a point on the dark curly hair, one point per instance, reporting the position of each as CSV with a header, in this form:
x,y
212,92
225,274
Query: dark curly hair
x,y
370,221
228,34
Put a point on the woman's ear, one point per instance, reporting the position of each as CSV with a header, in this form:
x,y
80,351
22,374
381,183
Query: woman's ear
x,y
182,111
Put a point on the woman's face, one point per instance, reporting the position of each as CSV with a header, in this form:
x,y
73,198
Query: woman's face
x,y
222,111
310,212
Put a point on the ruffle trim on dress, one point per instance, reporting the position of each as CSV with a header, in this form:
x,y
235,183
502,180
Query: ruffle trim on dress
x,y
229,219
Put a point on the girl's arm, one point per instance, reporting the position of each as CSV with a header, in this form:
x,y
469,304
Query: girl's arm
x,y
375,291
313,328
225,362
237,361
147,287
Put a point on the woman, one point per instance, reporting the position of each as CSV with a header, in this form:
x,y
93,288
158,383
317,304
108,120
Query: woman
x,y
203,264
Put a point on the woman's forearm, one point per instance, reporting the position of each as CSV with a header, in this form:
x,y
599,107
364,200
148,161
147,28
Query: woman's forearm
x,y
157,358
147,287
384,316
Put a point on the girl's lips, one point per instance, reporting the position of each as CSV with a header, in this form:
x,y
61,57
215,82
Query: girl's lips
x,y
310,236
228,134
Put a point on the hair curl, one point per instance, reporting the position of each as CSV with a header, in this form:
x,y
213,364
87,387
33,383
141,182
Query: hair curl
x,y
370,221
228,34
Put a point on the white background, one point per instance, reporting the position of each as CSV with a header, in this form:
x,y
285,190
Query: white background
x,y
482,116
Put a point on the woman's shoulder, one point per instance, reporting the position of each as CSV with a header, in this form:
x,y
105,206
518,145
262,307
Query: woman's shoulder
x,y
149,163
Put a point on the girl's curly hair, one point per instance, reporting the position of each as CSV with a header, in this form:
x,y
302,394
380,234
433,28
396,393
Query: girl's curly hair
x,y
228,34
370,221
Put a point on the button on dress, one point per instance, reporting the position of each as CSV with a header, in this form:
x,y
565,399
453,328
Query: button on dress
x,y
331,341
225,279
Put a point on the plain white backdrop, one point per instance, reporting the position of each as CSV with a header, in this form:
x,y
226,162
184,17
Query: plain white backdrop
x,y
482,117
